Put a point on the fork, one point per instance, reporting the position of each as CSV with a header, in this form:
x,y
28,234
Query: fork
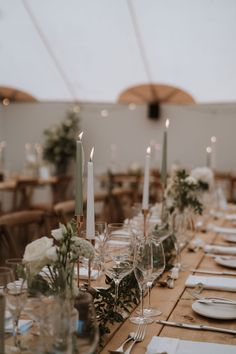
x,y
138,337
200,297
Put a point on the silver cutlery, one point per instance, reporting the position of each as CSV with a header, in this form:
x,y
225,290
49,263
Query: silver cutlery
x,y
139,337
205,271
197,327
216,301
197,296
213,255
120,349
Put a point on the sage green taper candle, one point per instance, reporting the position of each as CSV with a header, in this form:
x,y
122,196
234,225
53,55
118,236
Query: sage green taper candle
x,y
79,176
164,156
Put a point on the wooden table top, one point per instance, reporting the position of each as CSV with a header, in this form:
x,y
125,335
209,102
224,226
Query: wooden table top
x,y
10,184
175,305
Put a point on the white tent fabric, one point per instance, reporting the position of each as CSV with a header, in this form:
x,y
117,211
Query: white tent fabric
x,y
88,50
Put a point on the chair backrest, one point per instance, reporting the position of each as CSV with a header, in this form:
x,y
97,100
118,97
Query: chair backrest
x,y
23,193
60,189
65,211
23,227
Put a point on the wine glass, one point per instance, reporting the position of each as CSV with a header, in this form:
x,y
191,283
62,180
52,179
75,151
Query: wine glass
x,y
119,258
143,268
16,296
158,269
6,277
101,231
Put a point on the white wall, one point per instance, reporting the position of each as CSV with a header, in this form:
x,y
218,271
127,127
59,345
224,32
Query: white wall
x,y
189,133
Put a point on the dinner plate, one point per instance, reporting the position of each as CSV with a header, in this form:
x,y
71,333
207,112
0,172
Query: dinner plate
x,y
230,238
225,261
217,311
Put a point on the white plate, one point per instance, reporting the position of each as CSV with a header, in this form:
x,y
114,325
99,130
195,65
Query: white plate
x,y
218,311
230,238
225,261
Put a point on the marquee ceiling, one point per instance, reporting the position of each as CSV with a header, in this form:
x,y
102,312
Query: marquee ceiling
x,y
90,50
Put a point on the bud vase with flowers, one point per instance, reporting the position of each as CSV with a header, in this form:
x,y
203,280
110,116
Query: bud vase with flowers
x,y
49,265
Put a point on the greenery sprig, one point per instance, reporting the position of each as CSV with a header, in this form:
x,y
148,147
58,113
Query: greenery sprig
x,y
182,193
60,144
104,302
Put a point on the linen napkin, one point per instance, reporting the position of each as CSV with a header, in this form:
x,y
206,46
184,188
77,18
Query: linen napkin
x,y
83,273
217,283
220,249
178,346
223,230
24,325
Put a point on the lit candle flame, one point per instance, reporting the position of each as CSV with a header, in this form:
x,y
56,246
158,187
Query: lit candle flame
x,y
213,139
148,150
208,149
167,123
81,135
91,154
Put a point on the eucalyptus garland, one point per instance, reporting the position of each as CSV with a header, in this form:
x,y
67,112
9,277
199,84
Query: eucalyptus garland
x,y
129,297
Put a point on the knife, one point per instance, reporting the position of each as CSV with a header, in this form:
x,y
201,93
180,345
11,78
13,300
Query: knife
x,y
212,272
197,327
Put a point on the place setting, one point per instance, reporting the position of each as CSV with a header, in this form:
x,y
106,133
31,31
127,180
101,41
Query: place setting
x,y
117,177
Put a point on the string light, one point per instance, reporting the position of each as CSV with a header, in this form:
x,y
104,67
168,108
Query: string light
x,y
213,139
6,101
104,113
132,106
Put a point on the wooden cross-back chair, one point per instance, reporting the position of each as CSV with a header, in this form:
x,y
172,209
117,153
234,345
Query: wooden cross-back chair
x,y
20,228
23,193
65,211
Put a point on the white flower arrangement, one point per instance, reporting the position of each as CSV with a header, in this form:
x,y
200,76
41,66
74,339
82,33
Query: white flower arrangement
x,y
59,254
182,192
204,176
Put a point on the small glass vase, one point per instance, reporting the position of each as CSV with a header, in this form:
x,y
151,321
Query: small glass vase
x,y
183,227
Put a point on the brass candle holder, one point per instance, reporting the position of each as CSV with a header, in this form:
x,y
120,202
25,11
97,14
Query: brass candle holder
x,y
79,225
90,265
145,214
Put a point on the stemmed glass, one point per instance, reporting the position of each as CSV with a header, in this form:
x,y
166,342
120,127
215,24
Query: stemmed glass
x,y
101,242
16,296
119,258
6,277
143,268
158,269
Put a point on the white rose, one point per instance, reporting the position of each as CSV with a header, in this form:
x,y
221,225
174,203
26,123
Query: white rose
x,y
191,180
52,254
57,234
36,254
203,174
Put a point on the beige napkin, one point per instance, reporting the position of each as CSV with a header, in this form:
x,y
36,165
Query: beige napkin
x,y
220,249
178,346
83,273
223,230
217,283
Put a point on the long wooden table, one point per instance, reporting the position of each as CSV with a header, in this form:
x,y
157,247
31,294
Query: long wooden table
x,y
175,305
